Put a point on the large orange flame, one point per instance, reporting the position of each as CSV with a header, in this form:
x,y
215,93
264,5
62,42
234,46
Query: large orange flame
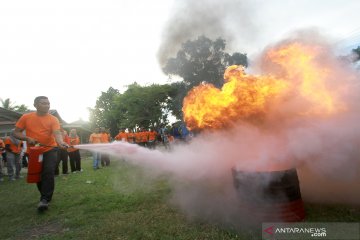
x,y
250,97
308,77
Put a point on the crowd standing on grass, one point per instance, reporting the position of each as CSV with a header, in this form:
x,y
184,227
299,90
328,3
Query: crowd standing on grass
x,y
153,138
42,131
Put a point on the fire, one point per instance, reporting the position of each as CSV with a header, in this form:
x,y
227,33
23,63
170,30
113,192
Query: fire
x,y
242,96
245,97
309,78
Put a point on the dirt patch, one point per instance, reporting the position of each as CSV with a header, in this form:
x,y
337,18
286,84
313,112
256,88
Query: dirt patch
x,y
48,228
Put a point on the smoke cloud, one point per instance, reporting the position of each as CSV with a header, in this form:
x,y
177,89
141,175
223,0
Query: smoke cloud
x,y
324,148
212,18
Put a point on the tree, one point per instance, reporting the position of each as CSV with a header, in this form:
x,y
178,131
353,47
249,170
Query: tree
x,y
137,107
102,114
201,60
356,51
7,104
21,108
143,106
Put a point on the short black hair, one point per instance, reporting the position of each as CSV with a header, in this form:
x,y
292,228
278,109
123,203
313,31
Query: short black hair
x,y
37,99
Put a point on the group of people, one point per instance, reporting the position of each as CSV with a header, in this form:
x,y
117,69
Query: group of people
x,y
143,137
40,128
71,153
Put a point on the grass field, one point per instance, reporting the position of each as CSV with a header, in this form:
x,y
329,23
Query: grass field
x,y
119,202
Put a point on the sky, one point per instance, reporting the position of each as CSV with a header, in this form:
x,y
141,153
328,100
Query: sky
x,y
71,51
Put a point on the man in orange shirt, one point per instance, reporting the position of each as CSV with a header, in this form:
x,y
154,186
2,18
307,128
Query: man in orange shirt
x,y
63,155
95,138
74,153
131,136
105,138
13,148
122,136
44,129
142,137
2,147
152,134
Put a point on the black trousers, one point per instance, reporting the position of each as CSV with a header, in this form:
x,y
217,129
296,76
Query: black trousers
x,y
62,157
46,186
75,161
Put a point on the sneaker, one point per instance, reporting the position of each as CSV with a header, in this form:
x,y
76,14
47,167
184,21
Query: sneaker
x,y
43,205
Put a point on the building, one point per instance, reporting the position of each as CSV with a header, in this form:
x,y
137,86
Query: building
x,y
82,128
8,118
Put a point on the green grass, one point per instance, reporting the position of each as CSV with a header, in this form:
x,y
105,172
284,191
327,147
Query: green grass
x,y
118,202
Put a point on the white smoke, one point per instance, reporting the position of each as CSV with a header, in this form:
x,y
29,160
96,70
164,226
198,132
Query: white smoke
x,y
324,149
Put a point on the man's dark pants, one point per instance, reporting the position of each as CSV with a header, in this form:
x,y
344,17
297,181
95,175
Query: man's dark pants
x,y
47,184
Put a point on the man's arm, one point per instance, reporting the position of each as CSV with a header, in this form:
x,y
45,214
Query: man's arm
x,y
59,139
18,133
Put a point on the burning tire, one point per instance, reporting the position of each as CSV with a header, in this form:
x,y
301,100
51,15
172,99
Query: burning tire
x,y
270,196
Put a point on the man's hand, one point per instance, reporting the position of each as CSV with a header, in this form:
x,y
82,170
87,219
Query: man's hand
x,y
63,145
31,141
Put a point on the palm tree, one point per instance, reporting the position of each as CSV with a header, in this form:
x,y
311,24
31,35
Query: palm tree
x,y
21,108
7,104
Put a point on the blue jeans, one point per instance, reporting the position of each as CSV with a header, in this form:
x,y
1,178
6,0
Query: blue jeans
x,y
13,161
97,159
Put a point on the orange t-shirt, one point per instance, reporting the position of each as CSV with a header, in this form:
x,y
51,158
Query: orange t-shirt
x,y
41,128
105,137
72,142
13,147
144,136
122,136
152,135
131,137
95,138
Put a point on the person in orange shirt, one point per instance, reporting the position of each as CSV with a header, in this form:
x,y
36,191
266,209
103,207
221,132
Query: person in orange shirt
x,y
137,135
42,128
130,136
13,148
105,138
142,137
95,138
152,138
74,153
122,136
63,155
2,147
